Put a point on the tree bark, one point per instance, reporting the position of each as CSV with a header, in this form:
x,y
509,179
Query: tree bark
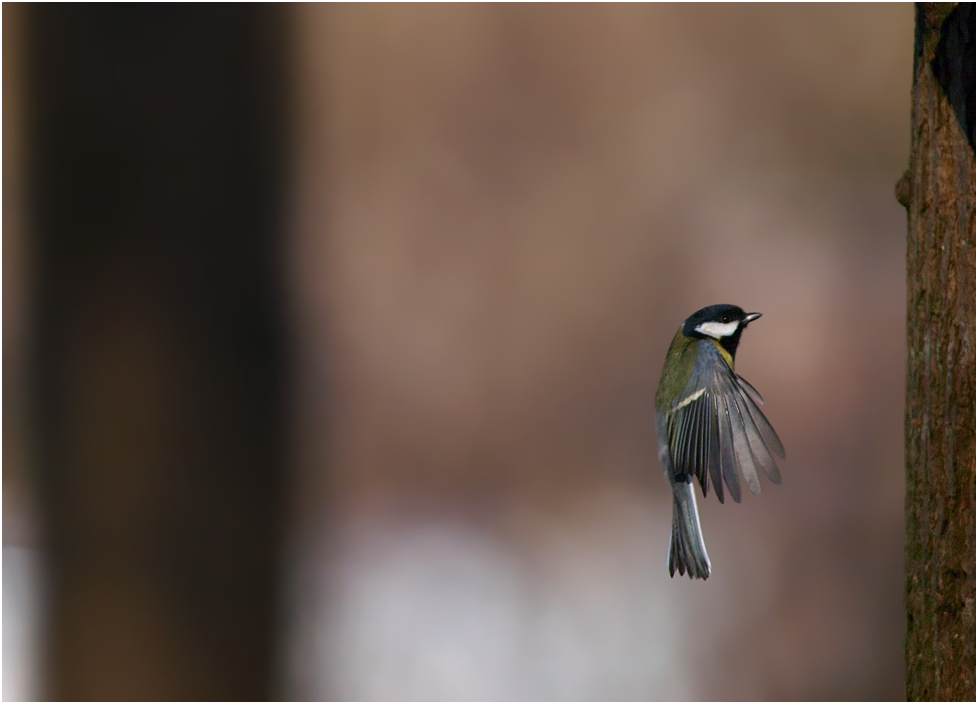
x,y
938,191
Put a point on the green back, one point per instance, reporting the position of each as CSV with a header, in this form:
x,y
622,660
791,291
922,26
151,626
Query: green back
x,y
678,368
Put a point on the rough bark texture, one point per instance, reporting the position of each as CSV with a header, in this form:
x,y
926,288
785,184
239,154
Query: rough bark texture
x,y
156,155
938,191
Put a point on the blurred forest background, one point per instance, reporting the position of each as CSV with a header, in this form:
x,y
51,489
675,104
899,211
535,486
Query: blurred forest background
x,y
499,216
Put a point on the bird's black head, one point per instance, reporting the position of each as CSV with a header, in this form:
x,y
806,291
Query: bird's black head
x,y
722,322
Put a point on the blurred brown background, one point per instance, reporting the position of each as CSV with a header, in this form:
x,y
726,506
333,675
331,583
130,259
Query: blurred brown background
x,y
500,215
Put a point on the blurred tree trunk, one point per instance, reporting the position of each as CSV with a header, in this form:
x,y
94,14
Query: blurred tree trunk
x,y
157,147
938,191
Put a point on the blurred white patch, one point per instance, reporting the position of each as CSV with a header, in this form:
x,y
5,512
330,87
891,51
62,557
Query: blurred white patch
x,y
22,600
442,611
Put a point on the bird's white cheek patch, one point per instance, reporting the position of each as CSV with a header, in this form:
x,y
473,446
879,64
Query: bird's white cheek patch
x,y
718,330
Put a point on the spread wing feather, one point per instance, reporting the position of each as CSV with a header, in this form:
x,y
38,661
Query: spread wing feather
x,y
721,429
727,451
702,441
745,459
762,456
751,391
715,456
771,438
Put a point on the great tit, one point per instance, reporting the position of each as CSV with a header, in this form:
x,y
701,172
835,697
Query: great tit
x,y
709,423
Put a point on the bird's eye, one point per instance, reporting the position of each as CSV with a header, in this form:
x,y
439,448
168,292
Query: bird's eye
x,y
725,319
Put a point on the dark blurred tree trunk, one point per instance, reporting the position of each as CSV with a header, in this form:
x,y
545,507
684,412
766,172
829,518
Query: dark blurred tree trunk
x,y
156,165
938,191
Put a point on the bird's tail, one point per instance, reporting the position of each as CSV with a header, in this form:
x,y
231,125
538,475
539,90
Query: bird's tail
x,y
687,552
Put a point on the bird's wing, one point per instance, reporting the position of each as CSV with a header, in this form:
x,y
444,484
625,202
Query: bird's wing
x,y
717,427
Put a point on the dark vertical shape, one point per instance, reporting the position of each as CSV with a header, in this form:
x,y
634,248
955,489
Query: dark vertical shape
x,y
938,191
954,65
157,162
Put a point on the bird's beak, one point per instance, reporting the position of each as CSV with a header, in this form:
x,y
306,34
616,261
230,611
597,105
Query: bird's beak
x,y
751,316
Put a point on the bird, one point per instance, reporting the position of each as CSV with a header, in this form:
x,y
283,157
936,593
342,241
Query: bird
x,y
709,424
